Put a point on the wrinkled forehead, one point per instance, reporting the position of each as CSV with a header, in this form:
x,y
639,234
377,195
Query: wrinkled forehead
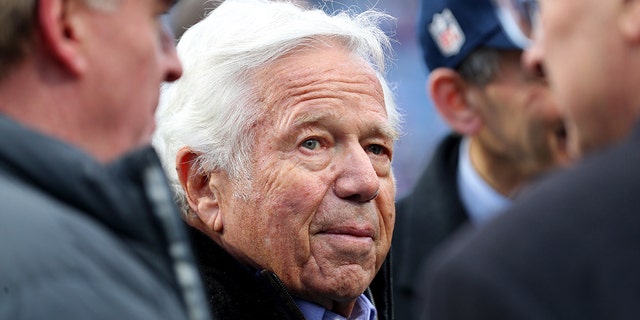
x,y
325,70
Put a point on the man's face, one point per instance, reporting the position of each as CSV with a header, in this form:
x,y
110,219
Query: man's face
x,y
584,56
320,210
522,125
130,54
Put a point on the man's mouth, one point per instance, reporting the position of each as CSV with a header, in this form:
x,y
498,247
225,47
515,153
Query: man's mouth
x,y
355,231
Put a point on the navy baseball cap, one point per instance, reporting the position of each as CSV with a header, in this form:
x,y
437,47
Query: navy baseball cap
x,y
450,30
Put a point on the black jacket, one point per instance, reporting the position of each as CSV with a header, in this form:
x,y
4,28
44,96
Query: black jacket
x,y
236,291
569,248
424,219
79,240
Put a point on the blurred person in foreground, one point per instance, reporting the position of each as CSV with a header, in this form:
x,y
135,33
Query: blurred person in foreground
x,y
507,132
85,229
568,248
279,139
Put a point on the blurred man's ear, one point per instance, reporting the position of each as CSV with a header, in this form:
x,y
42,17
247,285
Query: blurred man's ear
x,y
201,195
59,24
630,20
448,92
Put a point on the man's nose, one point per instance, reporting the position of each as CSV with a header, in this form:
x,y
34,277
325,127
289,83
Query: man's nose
x,y
358,180
170,56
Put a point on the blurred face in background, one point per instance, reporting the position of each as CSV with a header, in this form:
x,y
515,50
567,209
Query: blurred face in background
x,y
130,54
521,123
584,47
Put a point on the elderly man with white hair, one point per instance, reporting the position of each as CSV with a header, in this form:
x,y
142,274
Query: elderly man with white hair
x,y
279,139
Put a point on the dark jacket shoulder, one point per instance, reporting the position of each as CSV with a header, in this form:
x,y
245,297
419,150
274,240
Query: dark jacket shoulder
x,y
78,238
566,243
424,219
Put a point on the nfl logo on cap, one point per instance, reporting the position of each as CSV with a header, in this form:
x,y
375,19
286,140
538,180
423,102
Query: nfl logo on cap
x,y
446,33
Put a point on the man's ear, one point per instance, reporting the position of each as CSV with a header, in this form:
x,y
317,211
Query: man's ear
x,y
448,92
630,20
201,194
60,26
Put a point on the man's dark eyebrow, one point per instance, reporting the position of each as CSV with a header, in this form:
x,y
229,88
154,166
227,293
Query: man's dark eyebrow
x,y
387,130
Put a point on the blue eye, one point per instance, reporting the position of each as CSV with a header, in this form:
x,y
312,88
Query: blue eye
x,y
311,144
376,149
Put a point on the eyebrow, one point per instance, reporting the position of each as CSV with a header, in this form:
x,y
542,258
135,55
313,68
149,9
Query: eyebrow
x,y
386,130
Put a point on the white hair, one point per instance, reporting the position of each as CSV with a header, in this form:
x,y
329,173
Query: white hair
x,y
211,108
